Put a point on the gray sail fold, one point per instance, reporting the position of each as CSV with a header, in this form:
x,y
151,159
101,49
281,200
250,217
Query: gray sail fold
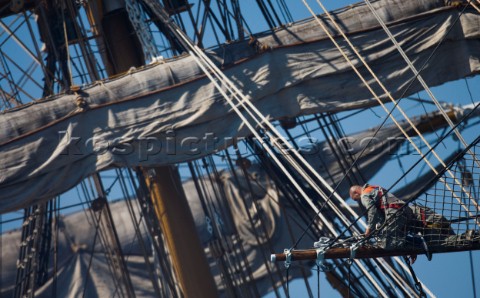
x,y
168,113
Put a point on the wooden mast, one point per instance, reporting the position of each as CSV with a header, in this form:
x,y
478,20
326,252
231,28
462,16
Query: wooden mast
x,y
170,203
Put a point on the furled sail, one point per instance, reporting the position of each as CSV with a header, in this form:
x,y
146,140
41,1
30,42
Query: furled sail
x,y
78,245
168,112
83,268
280,221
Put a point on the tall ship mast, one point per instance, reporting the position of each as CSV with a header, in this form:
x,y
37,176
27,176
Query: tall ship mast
x,y
206,148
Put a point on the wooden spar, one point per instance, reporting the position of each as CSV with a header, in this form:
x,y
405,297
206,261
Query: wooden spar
x,y
366,252
178,226
433,122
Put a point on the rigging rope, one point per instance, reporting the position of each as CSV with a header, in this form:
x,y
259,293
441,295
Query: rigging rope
x,y
266,121
242,101
381,85
418,284
416,73
472,274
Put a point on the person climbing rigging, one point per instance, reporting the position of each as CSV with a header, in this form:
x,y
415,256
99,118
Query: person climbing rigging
x,y
420,221
381,206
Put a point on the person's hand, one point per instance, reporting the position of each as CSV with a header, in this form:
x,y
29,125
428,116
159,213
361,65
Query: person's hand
x,y
367,232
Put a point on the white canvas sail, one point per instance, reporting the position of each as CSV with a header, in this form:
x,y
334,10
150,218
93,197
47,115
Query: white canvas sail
x,y
165,113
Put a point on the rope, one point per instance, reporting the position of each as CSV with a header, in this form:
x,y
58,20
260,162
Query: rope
x,y
87,274
67,49
236,93
474,6
137,233
349,277
280,146
416,73
418,284
472,274
386,93
287,283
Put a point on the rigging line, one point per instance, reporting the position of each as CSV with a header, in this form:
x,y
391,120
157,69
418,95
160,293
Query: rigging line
x,y
220,192
439,141
418,284
257,135
201,54
19,42
55,246
292,238
274,12
208,195
346,158
90,215
343,162
363,79
67,47
286,192
137,183
422,103
417,74
199,188
105,233
242,25
371,72
37,49
286,10
266,15
273,129
386,93
1,249
249,269
418,99
472,271
474,5
236,240
469,91
138,234
215,197
91,254
256,233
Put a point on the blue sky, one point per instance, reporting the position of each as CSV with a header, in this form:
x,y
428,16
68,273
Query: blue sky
x,y
447,275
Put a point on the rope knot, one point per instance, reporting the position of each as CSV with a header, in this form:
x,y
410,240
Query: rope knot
x,y
257,45
81,103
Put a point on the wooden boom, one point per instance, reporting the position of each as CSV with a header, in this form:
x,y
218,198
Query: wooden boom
x,y
366,252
